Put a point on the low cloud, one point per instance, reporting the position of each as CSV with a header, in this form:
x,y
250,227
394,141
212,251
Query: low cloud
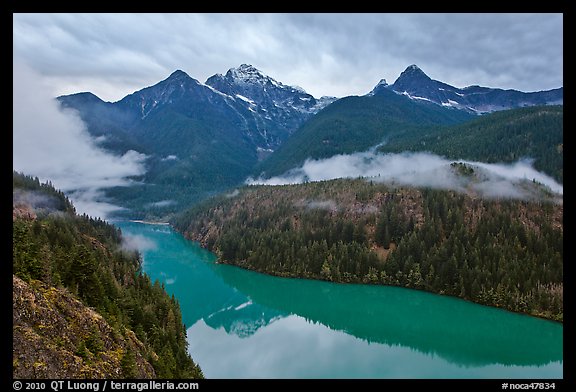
x,y
53,144
232,194
521,170
92,201
137,242
328,205
423,170
161,203
39,202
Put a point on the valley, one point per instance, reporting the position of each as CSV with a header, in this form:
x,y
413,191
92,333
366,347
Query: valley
x,y
417,221
245,324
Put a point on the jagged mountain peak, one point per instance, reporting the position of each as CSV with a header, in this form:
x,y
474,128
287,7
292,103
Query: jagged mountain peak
x,y
247,68
177,89
275,109
247,73
412,72
177,77
415,84
178,74
246,76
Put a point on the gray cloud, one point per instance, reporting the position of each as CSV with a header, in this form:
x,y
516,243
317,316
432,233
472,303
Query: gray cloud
x,y
161,203
39,202
54,145
328,205
137,242
113,55
423,170
521,170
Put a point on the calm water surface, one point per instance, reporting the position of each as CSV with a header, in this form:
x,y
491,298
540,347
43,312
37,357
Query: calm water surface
x,y
243,324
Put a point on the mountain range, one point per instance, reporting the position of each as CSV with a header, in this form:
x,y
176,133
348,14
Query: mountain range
x,y
203,138
416,85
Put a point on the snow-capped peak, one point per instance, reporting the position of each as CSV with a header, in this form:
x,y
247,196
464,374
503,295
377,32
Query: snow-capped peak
x,y
299,89
247,68
247,73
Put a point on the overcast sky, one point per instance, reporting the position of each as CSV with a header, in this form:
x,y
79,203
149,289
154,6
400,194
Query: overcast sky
x,y
113,55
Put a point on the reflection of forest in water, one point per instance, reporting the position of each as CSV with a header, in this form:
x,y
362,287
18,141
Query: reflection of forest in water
x,y
457,330
242,301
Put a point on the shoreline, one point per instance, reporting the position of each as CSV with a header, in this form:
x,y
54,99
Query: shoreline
x,y
290,276
148,222
293,276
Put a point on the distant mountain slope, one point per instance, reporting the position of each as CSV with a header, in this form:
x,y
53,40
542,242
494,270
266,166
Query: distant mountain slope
x,y
504,136
202,139
82,306
277,109
355,124
414,83
244,102
198,140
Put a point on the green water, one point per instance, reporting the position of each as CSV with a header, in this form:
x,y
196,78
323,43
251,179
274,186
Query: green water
x,y
243,324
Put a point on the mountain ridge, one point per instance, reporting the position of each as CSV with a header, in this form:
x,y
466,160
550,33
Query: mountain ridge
x,y
237,124
353,124
415,84
213,137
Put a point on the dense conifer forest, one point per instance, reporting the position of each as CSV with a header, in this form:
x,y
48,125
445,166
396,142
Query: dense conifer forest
x,y
506,136
503,253
85,256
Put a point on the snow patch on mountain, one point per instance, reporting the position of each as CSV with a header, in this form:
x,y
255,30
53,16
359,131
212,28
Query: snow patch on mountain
x,y
245,99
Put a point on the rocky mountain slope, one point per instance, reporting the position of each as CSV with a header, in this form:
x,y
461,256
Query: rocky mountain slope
x,y
278,110
57,336
197,139
82,307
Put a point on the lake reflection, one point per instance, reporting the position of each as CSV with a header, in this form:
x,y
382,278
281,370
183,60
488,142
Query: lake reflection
x,y
250,325
292,347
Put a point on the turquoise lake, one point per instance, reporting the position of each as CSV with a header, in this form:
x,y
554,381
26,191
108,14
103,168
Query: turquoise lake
x,y
243,324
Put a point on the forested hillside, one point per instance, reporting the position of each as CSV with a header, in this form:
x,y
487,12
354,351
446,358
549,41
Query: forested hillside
x,y
355,124
59,258
198,139
504,253
506,136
